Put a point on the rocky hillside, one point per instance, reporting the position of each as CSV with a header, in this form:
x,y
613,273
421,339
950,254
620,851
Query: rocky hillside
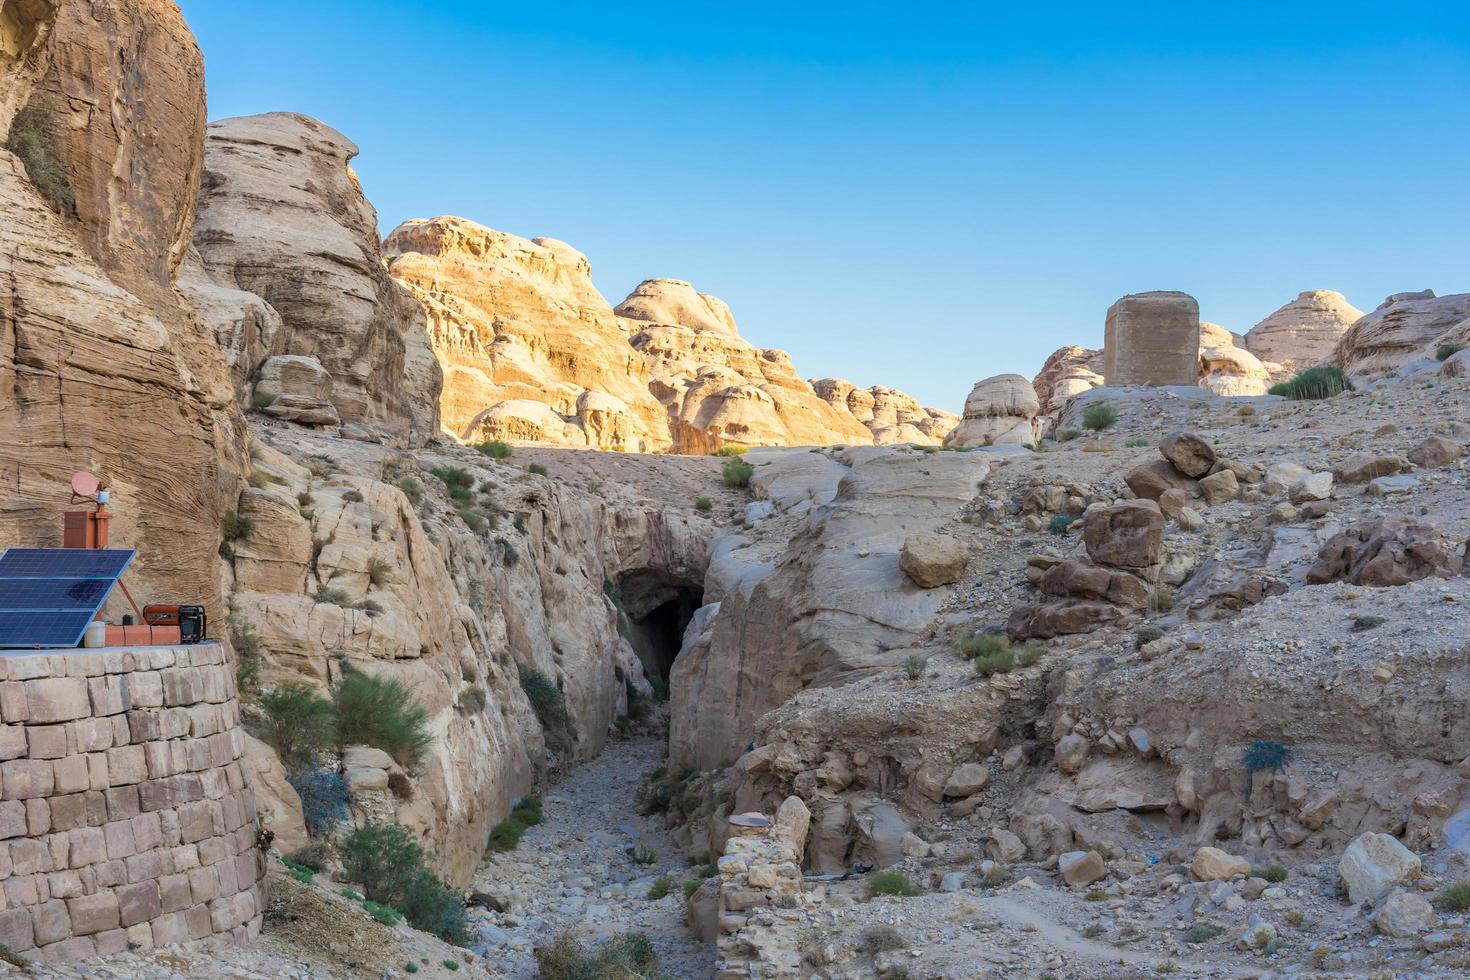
x,y
532,353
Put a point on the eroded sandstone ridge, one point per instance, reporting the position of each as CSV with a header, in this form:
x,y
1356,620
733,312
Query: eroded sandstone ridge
x,y
1305,331
532,353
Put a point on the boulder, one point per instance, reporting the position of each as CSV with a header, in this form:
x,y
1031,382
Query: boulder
x,y
296,388
1364,467
1399,331
1231,372
1315,486
1071,752
967,780
1042,622
1150,480
1001,410
1068,371
1213,864
1172,501
1077,578
1404,915
1190,454
1280,476
1434,452
1219,487
1152,339
1127,535
1375,863
1004,847
1386,552
275,799
1304,332
793,819
1081,868
932,559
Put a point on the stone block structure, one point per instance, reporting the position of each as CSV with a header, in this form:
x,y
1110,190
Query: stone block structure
x,y
1152,339
126,818
760,887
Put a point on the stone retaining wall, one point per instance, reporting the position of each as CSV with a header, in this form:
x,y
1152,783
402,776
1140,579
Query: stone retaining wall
x,y
126,818
760,888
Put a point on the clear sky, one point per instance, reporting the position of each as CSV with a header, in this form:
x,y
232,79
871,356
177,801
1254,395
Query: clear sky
x,y
913,194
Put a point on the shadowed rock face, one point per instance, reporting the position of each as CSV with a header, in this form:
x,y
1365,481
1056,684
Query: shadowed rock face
x,y
1152,339
282,216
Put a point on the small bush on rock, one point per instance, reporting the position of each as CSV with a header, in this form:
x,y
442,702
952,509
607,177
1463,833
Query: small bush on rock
x,y
297,723
1099,416
661,886
390,866
1446,351
737,473
314,855
1455,897
380,711
1200,933
1265,755
892,883
915,667
33,139
883,939
453,477
495,449
703,503
1059,524
626,956
978,644
536,468
1274,873
412,489
734,449
324,798
1323,381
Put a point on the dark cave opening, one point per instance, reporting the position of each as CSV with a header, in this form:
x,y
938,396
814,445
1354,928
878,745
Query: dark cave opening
x,y
655,613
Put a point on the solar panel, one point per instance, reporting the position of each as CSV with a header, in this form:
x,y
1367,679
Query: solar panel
x,y
49,595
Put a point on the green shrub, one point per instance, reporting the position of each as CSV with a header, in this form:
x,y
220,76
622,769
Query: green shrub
x,y
300,872
1274,873
352,496
324,798
258,479
1067,435
390,866
261,399
536,468
1455,897
528,811
234,527
1200,933
1446,351
1059,524
737,473
1098,416
412,489
545,697
1265,755
690,887
892,883
450,965
643,857
381,712
736,449
1137,442
472,518
661,886
1096,895
1318,382
461,496
915,667
297,723
1146,633
472,700
350,894
703,503
1161,599
495,449
976,643
453,477
377,572
410,967
329,595
388,916
625,956
999,662
33,139
247,657
506,835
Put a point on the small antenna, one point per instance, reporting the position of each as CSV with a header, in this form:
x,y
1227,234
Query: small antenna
x,y
85,485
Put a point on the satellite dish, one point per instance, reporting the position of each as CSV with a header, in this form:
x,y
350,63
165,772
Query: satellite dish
x,y
84,484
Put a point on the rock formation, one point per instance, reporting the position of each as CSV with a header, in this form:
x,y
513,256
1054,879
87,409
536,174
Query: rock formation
x,y
1068,371
1000,410
1405,326
1305,331
1152,339
892,416
282,216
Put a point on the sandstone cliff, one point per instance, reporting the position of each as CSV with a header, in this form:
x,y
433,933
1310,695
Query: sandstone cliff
x,y
1305,331
532,353
1404,327
282,216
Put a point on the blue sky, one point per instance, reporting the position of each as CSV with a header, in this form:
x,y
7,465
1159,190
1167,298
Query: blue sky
x,y
918,195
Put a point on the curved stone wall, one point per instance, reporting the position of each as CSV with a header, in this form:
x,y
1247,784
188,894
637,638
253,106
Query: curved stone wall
x,y
126,818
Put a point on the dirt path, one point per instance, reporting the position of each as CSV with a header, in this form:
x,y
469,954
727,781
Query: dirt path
x,y
574,871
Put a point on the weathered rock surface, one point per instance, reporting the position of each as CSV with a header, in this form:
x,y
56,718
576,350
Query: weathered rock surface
x,y
1405,326
1000,410
932,560
892,416
1213,864
1068,371
1304,332
1374,863
1391,551
1152,339
282,216
1188,453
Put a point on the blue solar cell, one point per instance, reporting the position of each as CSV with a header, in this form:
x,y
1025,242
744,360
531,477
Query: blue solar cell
x,y
49,595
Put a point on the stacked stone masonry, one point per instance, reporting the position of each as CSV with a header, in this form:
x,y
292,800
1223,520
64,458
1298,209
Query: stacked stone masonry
x,y
126,817
760,889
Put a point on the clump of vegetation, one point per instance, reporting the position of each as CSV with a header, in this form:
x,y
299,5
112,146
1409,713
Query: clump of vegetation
x,y
915,667
978,643
324,798
1265,755
377,572
882,939
472,700
536,468
1093,931
1059,524
892,882
1007,660
1096,895
450,965
299,872
737,473
507,834
297,723
643,857
1146,634
1137,442
1098,416
332,596
247,657
472,518
33,139
661,886
703,503
495,449
1200,933
261,399
1293,917
369,606
545,697
381,712
1067,435
1446,351
1274,873
391,868
1455,897
626,956
1366,622
412,489
1322,381
1160,600
389,917
352,496
234,527
314,855
733,449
